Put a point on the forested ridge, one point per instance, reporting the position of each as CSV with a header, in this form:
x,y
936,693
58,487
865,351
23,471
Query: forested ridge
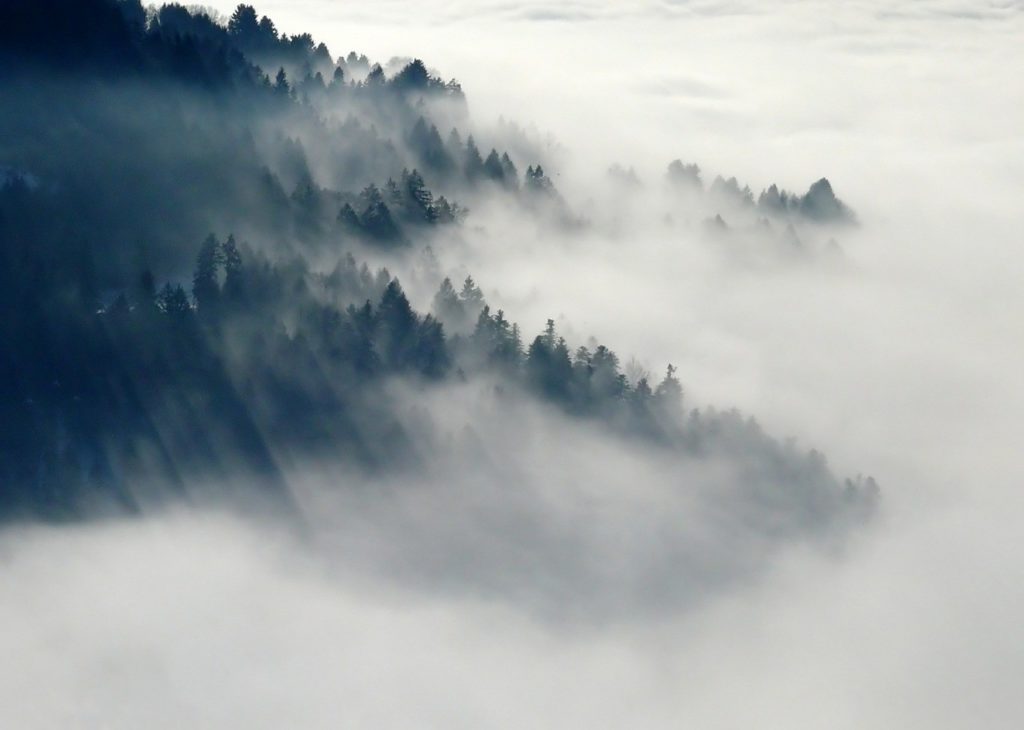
x,y
185,210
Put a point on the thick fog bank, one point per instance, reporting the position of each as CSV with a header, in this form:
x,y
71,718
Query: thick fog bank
x,y
206,622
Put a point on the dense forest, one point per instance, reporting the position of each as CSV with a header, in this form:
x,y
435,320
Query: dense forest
x,y
187,209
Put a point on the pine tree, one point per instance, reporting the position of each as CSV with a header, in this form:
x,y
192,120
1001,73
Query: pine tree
x,y
473,163
419,197
472,297
456,150
281,82
396,325
537,181
205,284
233,281
549,334
173,302
430,355
243,23
510,174
493,168
447,307
669,393
379,224
349,219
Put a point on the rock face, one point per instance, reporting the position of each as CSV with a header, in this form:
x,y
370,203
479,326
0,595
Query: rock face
x,y
821,204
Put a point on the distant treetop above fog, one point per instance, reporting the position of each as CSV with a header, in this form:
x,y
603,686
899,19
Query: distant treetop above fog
x,y
819,204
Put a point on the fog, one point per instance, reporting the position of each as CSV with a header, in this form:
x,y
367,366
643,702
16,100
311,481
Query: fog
x,y
542,572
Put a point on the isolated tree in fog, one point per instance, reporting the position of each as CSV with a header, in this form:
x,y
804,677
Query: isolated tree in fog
x,y
549,334
670,393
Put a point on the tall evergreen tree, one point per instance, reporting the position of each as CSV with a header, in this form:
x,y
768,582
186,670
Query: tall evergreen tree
x,y
448,307
473,163
243,22
493,168
233,276
396,325
472,297
669,393
510,174
205,281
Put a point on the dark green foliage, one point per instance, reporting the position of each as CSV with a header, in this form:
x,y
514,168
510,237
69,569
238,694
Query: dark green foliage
x,y
413,77
281,83
123,144
493,168
375,79
348,219
173,301
418,199
377,223
472,164
205,280
396,325
548,368
426,143
821,204
497,340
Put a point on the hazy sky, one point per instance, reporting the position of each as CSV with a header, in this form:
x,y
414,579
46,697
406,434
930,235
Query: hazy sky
x,y
903,360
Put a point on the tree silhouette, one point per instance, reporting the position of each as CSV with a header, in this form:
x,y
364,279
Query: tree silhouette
x,y
205,283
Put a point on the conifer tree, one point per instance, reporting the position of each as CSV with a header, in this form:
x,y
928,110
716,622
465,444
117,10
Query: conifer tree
x,y
205,283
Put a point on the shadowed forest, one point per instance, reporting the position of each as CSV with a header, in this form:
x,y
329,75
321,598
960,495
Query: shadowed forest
x,y
198,224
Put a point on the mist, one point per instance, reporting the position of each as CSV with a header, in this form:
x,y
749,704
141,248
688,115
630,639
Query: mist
x,y
514,564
